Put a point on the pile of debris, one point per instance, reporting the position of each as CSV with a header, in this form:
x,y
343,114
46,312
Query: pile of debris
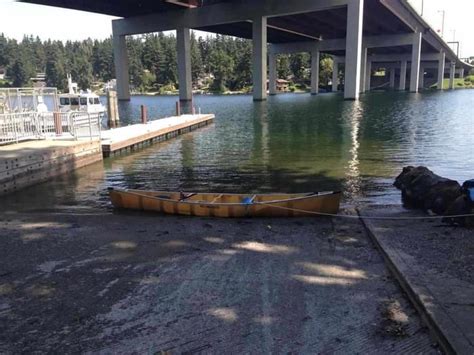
x,y
421,188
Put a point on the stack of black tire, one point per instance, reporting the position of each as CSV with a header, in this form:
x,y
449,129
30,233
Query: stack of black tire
x,y
423,189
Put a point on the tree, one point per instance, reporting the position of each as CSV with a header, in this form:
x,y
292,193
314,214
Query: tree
x,y
221,65
299,64
196,59
82,73
242,74
325,69
4,60
283,66
55,74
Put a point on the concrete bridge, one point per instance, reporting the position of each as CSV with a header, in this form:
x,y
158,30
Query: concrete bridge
x,y
361,34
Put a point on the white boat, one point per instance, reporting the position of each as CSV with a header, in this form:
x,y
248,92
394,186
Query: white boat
x,y
84,101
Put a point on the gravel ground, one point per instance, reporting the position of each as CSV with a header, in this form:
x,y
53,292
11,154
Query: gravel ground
x,y
98,282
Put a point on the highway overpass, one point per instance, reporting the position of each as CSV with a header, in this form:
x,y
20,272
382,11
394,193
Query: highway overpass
x,y
361,34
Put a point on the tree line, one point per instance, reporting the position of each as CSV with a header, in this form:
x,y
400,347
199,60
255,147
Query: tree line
x,y
219,63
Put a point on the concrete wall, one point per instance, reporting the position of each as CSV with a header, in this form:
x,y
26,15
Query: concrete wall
x,y
29,163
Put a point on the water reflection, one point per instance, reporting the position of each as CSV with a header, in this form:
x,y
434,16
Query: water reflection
x,y
291,143
353,181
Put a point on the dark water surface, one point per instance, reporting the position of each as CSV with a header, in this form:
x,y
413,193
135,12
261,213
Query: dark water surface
x,y
291,143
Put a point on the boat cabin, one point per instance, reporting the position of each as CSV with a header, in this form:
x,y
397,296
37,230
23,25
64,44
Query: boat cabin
x,y
81,102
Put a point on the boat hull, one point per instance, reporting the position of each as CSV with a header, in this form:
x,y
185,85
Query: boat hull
x,y
227,205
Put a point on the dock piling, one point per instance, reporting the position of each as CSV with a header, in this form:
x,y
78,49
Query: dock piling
x,y
112,108
58,127
143,111
178,108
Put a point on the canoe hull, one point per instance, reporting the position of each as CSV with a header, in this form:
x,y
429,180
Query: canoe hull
x,y
205,205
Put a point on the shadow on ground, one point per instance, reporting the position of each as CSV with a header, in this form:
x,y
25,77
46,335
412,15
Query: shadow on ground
x,y
149,283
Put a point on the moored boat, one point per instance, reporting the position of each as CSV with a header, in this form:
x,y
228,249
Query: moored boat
x,y
228,205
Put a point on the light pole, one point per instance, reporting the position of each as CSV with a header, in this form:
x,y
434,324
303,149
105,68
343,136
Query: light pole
x,y
422,7
442,23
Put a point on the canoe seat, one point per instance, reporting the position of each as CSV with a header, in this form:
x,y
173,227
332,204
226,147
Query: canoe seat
x,y
248,200
183,197
216,198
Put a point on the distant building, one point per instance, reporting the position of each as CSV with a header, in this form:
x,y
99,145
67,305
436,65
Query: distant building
x,y
39,80
281,85
3,72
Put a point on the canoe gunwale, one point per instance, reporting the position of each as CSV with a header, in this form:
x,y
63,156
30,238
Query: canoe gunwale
x,y
309,195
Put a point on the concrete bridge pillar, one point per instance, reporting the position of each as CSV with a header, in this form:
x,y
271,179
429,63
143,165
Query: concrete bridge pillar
x,y
335,75
272,60
392,78
368,75
259,58
363,69
314,72
355,15
403,75
415,62
452,72
441,63
121,67
184,64
421,83
461,73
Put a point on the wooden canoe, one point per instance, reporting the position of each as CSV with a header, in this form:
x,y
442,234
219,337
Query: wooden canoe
x,y
227,205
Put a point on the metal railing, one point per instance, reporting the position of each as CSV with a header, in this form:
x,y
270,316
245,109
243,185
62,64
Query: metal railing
x,y
17,127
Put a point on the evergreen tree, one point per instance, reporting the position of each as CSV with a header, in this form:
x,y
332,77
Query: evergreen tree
x,y
56,74
20,72
299,65
152,61
196,59
221,65
283,66
325,69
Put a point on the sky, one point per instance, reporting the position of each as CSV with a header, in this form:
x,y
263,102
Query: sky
x,y
19,19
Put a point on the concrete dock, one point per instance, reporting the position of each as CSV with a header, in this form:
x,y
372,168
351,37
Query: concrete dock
x,y
31,162
433,264
128,137
28,163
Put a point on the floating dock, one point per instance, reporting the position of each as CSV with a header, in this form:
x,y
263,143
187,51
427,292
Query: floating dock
x,y
120,139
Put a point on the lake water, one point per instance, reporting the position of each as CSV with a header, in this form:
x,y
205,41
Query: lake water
x,y
290,143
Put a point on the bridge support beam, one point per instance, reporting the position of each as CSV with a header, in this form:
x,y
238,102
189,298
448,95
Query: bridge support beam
x,y
121,67
363,67
368,75
415,62
314,71
452,73
403,75
421,83
441,63
392,78
335,74
272,71
184,64
259,58
461,73
355,15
